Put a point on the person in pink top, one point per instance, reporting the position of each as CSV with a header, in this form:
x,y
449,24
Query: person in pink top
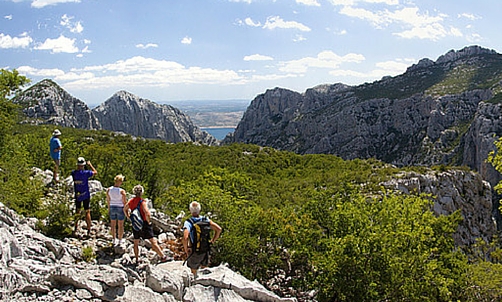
x,y
116,199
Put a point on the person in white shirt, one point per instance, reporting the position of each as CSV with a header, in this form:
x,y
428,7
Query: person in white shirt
x,y
116,198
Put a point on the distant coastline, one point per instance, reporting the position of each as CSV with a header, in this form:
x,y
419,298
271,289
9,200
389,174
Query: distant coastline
x,y
218,132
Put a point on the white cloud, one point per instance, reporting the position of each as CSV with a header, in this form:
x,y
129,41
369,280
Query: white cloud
x,y
22,41
325,59
299,38
395,67
386,68
8,17
44,3
86,50
61,44
137,72
186,40
145,46
308,2
418,25
245,1
431,32
74,27
46,73
274,22
354,2
257,57
469,16
250,22
272,77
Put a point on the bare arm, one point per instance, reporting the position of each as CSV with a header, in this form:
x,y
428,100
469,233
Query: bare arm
x,y
146,211
126,209
108,198
124,197
186,235
94,172
217,230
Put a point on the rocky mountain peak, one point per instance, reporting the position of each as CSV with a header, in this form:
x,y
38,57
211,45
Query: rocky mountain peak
x,y
47,103
469,51
128,113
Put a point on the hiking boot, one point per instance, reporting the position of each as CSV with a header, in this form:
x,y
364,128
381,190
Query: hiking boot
x,y
163,259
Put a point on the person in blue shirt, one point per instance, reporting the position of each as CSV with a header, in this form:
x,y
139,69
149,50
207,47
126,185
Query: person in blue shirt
x,y
194,260
82,193
55,151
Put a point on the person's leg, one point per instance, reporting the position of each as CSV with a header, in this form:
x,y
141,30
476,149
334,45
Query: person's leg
x,y
88,220
113,225
156,248
56,168
77,218
121,229
136,249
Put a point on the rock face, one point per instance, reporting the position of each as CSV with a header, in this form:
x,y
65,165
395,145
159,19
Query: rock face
x,y
454,190
443,112
130,114
47,103
34,267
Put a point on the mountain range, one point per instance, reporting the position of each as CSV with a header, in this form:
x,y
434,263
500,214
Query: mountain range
x,y
47,103
443,112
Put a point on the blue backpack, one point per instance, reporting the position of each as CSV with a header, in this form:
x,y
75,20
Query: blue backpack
x,y
136,219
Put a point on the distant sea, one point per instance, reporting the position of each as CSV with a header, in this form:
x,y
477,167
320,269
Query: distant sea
x,y
218,133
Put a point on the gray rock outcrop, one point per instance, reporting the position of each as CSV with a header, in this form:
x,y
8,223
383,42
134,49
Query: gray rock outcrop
x,y
125,112
443,112
34,267
47,103
454,190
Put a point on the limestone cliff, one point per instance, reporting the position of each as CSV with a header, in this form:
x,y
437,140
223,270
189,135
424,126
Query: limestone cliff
x,y
442,112
47,103
131,114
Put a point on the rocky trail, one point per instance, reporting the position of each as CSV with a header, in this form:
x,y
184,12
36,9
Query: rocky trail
x,y
34,267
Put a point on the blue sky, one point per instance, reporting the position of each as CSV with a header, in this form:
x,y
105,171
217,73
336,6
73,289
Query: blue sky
x,y
231,49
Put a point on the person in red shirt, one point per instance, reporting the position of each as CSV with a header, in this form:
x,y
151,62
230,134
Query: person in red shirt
x,y
147,231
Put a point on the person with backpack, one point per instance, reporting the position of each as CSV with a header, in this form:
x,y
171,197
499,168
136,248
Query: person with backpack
x,y
116,199
146,231
82,194
55,147
196,236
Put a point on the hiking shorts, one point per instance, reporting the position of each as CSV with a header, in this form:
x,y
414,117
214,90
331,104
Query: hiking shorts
x,y
86,202
146,232
197,260
117,213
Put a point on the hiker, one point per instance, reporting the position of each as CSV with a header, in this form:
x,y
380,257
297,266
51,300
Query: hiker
x,y
55,151
116,199
82,194
197,259
147,231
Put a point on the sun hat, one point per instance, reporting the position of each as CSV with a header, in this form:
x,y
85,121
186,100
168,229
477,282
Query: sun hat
x,y
56,133
81,161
